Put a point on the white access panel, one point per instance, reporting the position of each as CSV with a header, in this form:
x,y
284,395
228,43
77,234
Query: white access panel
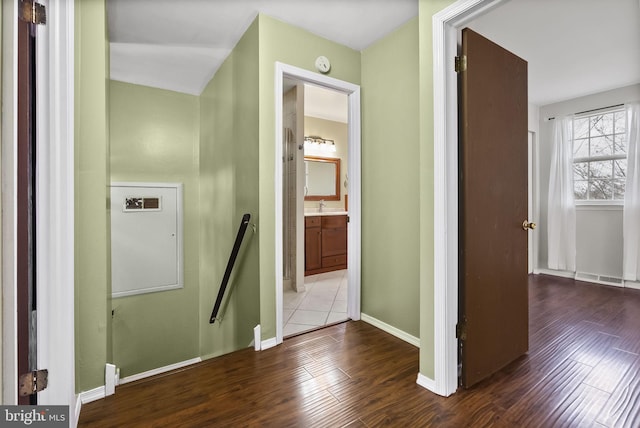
x,y
146,238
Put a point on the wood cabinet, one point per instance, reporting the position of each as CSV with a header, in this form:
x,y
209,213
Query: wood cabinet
x,y
325,244
312,244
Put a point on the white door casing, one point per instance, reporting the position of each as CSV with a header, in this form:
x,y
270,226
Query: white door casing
x,y
353,190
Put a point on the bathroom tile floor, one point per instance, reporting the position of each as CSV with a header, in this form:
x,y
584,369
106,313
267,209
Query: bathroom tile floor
x,y
324,302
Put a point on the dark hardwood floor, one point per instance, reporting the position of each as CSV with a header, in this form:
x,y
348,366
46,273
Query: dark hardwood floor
x,y
582,370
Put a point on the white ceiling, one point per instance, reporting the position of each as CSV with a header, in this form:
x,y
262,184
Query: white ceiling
x,y
179,45
574,47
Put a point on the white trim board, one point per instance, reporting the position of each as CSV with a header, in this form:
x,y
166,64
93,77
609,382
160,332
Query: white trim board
x,y
268,343
632,284
354,186
446,24
560,273
100,392
91,395
55,201
159,370
426,382
8,158
415,341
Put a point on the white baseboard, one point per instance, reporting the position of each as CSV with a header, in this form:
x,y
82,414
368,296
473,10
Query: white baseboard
x,y
269,343
92,395
390,329
159,370
591,278
632,284
426,383
560,273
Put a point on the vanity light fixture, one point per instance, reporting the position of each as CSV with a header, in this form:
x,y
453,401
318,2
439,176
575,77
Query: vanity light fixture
x,y
319,144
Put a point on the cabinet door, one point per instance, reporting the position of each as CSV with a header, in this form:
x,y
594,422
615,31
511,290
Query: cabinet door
x,y
334,241
312,248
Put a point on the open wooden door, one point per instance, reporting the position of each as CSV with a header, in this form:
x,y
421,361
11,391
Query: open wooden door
x,y
493,329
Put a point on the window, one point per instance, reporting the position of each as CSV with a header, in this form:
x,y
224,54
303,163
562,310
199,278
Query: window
x,y
599,156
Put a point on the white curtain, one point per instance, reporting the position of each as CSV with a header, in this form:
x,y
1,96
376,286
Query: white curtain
x,y
631,216
561,215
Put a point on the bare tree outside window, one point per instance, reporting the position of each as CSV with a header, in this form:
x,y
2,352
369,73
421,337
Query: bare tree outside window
x,y
599,156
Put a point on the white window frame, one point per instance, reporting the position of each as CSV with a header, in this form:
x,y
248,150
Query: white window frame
x,y
599,112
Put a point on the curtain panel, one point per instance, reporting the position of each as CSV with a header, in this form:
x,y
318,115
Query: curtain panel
x,y
631,216
561,215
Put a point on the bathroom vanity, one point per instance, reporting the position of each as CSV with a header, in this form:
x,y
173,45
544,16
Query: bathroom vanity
x,y
325,242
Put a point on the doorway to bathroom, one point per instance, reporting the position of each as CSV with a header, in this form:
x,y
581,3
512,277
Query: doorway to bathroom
x,y
315,206
317,201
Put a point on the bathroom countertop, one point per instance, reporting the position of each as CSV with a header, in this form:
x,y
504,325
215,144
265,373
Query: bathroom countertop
x,y
315,213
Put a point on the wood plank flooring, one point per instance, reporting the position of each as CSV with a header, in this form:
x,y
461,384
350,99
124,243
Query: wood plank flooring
x,y
582,369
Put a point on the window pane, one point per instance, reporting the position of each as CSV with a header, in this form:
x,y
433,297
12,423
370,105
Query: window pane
x,y
620,125
581,148
600,169
580,189
620,168
602,125
618,189
620,144
600,189
580,171
601,146
581,128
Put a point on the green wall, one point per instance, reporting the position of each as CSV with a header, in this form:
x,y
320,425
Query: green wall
x,y
427,8
390,180
92,219
236,167
155,138
229,188
293,46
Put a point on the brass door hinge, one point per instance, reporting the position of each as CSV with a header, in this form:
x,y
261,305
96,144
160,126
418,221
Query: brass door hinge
x,y
32,12
461,331
32,382
460,63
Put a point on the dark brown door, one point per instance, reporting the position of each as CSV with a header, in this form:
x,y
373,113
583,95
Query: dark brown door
x,y
493,205
25,175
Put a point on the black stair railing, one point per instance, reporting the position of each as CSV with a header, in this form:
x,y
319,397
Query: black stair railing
x,y
230,263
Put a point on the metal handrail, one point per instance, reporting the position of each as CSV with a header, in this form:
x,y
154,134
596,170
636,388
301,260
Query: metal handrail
x,y
230,263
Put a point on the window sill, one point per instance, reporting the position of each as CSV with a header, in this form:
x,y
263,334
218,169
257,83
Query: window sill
x,y
599,205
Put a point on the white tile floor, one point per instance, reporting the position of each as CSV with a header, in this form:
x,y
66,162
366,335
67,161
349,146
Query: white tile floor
x,y
324,302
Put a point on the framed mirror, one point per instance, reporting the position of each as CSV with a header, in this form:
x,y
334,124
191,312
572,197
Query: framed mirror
x,y
322,178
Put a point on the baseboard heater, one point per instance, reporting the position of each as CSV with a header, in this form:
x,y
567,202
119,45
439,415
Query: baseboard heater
x,y
232,260
600,279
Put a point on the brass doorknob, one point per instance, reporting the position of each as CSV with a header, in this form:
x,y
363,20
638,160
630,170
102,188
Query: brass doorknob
x,y
526,225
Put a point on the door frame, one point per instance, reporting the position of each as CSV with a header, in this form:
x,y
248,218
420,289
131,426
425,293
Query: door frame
x,y
533,196
446,25
55,202
353,189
